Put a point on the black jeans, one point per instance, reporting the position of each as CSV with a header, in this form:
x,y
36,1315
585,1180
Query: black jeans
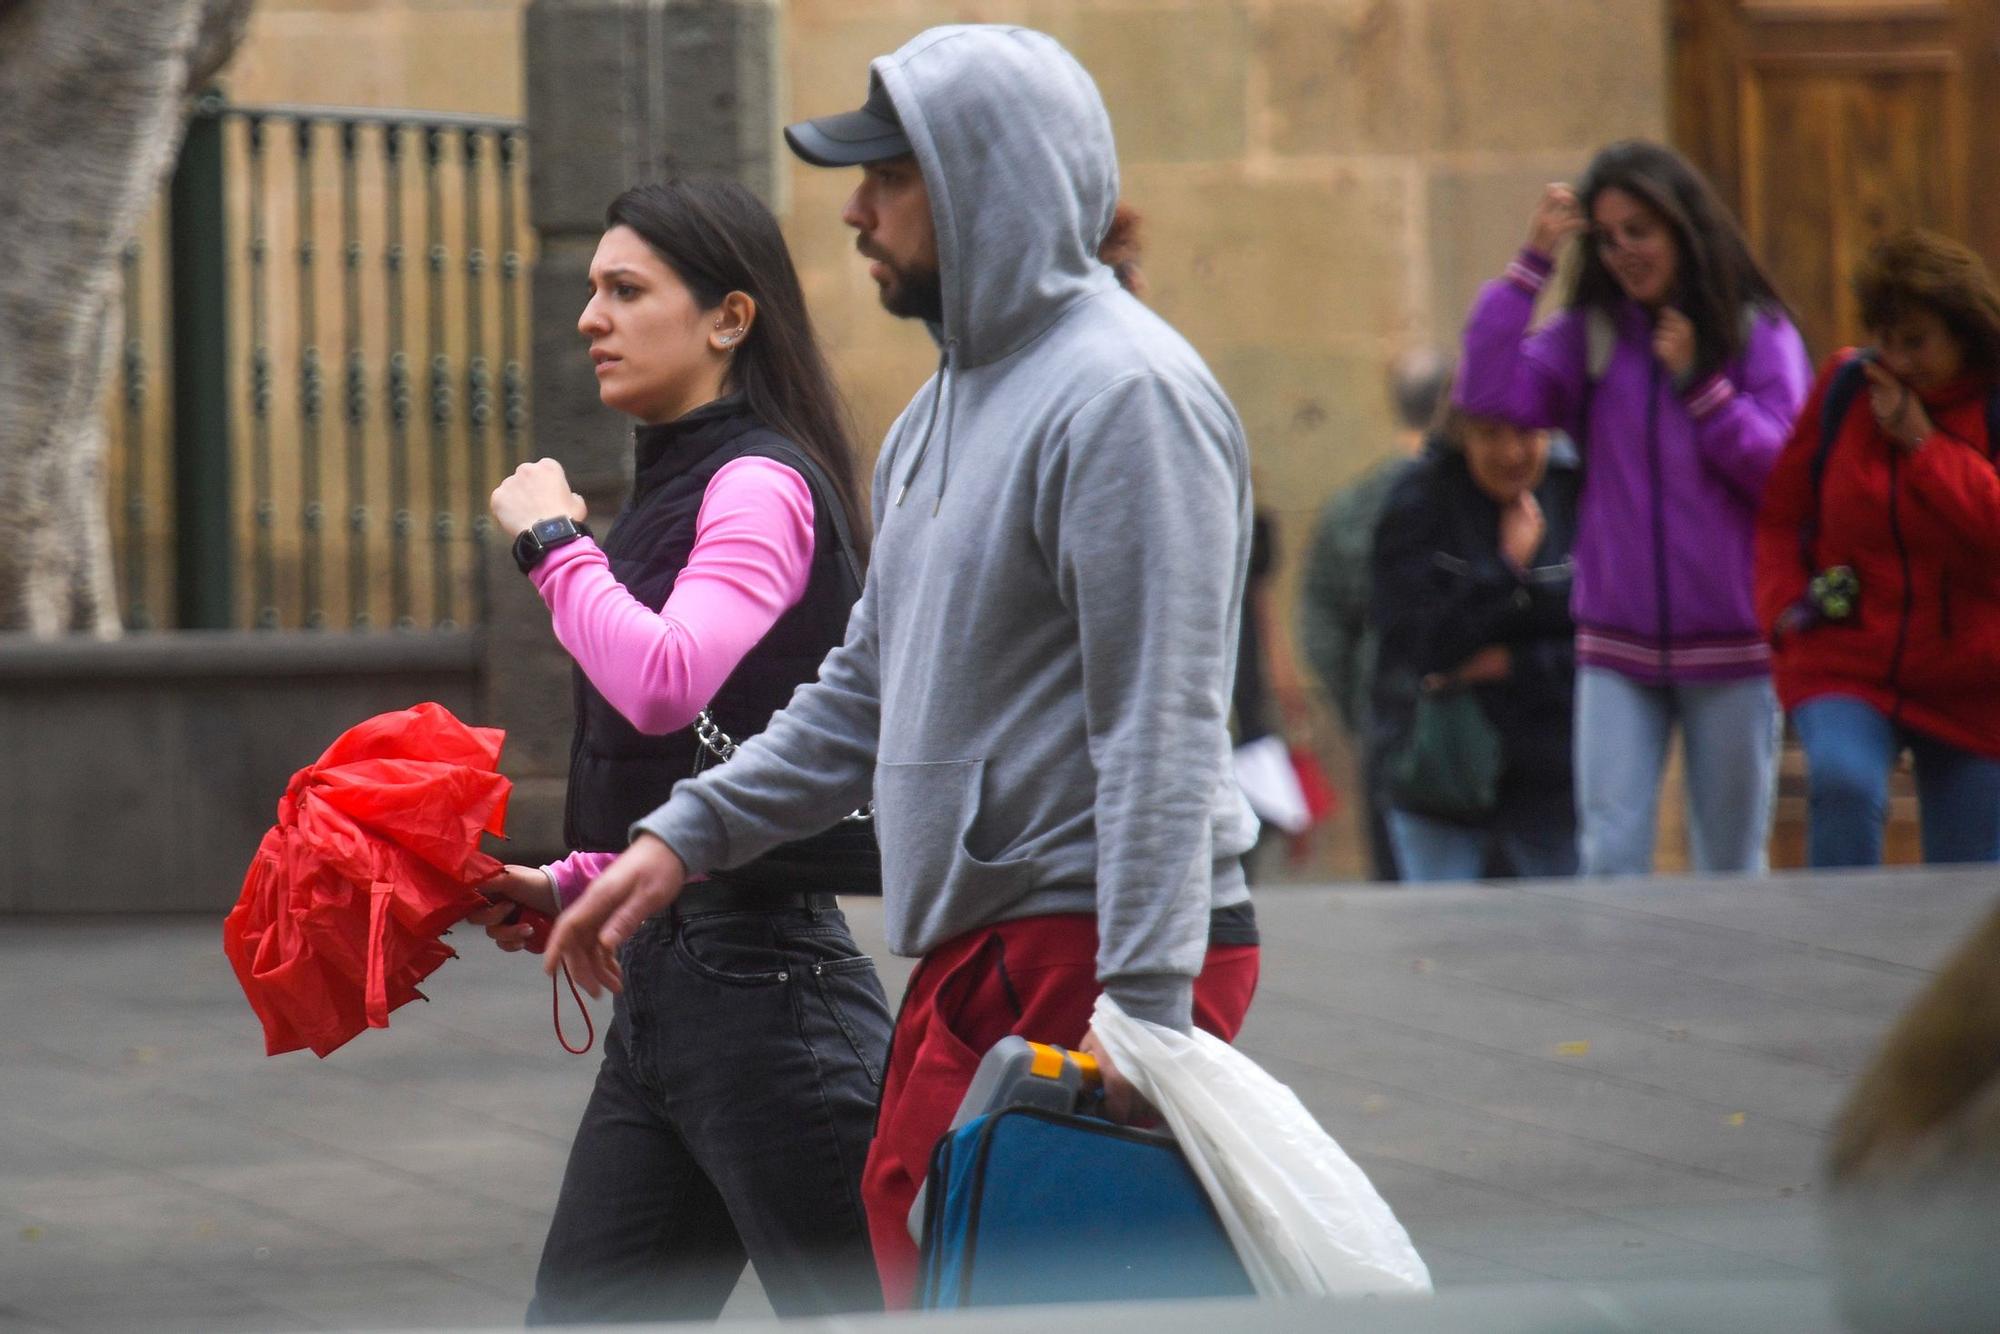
x,y
730,1120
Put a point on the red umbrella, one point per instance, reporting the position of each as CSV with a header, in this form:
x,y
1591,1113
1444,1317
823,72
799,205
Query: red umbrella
x,y
375,854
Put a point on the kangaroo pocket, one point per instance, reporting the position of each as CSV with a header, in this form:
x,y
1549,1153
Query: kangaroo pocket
x,y
927,820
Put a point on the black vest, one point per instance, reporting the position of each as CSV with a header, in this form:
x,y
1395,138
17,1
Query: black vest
x,y
618,774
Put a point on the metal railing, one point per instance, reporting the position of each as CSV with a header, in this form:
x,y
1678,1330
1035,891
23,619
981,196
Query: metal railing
x,y
339,304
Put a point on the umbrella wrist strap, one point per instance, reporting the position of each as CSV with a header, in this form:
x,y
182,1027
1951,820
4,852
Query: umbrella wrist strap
x,y
555,1013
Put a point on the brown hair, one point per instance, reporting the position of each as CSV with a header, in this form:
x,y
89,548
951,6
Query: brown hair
x,y
1120,249
1914,270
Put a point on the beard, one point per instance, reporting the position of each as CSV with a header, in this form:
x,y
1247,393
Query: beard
x,y
913,293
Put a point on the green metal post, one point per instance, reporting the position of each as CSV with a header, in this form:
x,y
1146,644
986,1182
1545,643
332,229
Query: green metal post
x,y
204,595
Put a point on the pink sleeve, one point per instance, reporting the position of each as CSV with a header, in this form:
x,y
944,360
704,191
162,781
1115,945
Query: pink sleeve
x,y
573,874
752,553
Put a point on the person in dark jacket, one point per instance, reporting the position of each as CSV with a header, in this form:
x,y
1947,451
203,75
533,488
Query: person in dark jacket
x,y
1880,577
733,1109
1471,591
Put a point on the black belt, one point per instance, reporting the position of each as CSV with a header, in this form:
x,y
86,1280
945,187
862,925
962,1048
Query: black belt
x,y
719,896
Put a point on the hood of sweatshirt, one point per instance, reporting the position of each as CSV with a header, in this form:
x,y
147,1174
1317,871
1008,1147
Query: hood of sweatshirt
x,y
1026,194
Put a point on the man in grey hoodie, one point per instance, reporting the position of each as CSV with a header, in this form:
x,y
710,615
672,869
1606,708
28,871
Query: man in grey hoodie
x,y
1035,683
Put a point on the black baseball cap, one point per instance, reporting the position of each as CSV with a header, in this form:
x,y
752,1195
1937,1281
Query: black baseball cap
x,y
852,138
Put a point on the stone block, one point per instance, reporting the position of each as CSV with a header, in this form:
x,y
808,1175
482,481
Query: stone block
x,y
1301,262
1559,74
482,73
382,53
311,56
1174,77
1477,217
625,91
1339,77
827,50
1314,421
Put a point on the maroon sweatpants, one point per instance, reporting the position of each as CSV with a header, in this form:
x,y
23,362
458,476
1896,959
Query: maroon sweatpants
x,y
1036,977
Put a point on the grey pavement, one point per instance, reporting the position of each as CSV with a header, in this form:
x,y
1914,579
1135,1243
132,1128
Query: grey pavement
x,y
1576,1095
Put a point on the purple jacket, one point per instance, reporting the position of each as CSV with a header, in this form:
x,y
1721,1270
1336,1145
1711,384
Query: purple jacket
x,y
1672,475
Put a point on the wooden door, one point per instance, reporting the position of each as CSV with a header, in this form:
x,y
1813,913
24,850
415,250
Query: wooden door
x,y
1828,122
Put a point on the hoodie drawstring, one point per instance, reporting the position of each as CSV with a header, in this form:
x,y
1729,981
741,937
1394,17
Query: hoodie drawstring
x,y
930,427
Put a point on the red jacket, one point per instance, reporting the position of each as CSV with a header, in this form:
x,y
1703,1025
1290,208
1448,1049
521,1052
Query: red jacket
x,y
1922,533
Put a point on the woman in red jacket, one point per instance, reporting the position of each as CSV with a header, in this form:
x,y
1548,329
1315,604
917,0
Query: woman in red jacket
x,y
1878,561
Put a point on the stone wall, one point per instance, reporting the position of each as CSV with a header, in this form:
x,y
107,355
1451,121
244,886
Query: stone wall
x,y
1324,181
142,772
439,55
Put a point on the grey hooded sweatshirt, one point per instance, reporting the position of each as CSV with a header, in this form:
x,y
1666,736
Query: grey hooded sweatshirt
x,y
1035,682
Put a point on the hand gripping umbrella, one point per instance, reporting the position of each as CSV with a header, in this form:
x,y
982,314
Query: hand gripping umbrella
x,y
375,854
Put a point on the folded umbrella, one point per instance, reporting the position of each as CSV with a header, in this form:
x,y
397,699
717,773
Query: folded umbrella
x,y
375,853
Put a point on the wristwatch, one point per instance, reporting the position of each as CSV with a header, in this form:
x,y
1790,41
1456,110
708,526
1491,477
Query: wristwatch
x,y
538,538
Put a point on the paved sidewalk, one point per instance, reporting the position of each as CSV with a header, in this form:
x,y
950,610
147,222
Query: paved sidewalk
x,y
1560,1083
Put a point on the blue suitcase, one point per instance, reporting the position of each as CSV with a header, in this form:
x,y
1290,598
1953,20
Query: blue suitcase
x,y
1028,1205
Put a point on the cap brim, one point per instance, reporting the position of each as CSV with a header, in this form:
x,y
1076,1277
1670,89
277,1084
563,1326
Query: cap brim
x,y
847,140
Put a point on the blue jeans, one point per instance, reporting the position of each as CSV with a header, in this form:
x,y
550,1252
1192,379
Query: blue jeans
x,y
1850,749
1729,737
730,1120
1538,846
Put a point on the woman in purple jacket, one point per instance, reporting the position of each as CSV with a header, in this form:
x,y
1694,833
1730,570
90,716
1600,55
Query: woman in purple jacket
x,y
1677,370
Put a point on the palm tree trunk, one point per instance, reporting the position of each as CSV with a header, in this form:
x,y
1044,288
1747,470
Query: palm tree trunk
x,y
92,101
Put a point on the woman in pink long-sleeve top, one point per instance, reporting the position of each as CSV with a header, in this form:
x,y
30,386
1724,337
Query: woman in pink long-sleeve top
x,y
742,1065
1676,368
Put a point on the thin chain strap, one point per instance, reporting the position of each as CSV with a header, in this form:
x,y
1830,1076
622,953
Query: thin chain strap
x,y
719,744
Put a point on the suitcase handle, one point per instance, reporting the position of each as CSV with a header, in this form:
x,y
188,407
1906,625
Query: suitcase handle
x,y
1047,1063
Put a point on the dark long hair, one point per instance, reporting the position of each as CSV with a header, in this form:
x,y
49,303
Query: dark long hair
x,y
719,238
1716,277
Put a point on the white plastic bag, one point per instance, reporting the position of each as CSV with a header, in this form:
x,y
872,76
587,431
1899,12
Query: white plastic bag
x,y
1271,785
1304,1219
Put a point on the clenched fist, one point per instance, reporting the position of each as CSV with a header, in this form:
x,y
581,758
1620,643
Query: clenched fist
x,y
535,491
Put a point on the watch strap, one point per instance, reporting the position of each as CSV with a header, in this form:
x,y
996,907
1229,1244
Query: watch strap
x,y
543,536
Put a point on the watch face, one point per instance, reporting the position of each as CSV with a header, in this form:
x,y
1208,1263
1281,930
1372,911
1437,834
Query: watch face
x,y
548,530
